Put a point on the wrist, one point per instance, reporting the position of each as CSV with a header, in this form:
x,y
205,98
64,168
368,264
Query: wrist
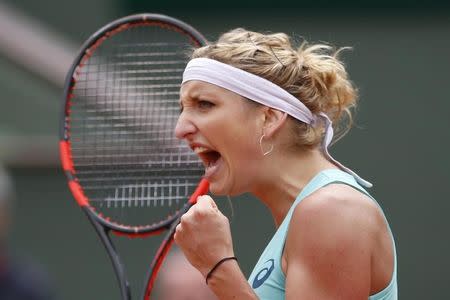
x,y
218,265
228,282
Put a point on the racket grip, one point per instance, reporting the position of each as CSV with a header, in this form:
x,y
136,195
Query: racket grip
x,y
201,189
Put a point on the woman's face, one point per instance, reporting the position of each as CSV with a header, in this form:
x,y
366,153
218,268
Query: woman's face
x,y
223,129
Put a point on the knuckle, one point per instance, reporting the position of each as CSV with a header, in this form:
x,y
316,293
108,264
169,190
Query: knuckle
x,y
183,220
225,219
178,232
202,213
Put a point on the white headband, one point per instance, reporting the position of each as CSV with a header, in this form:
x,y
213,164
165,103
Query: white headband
x,y
262,91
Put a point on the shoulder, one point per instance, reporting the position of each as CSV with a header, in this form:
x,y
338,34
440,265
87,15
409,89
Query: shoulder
x,y
336,217
337,214
336,238
337,208
330,243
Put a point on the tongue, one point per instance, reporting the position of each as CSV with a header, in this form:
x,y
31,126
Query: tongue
x,y
212,168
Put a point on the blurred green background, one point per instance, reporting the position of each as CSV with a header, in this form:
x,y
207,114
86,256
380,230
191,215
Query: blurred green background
x,y
400,62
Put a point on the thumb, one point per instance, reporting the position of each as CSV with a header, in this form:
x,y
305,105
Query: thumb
x,y
206,201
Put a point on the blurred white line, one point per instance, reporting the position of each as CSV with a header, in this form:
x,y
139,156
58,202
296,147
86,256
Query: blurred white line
x,y
35,47
29,151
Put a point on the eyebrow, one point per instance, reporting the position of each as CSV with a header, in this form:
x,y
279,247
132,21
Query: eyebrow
x,y
191,95
196,94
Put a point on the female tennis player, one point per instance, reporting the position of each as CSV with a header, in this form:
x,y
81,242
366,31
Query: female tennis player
x,y
260,114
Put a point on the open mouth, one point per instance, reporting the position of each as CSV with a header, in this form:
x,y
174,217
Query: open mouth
x,y
209,157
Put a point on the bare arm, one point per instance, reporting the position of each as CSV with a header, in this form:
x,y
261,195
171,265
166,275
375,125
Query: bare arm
x,y
328,250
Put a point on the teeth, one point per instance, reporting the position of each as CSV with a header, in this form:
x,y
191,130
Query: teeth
x,y
200,150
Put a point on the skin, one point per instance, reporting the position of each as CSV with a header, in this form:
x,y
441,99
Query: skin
x,y
212,108
338,245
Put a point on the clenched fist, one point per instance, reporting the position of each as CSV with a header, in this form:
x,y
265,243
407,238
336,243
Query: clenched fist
x,y
204,235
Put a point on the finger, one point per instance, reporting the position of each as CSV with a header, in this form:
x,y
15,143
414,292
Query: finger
x,y
177,233
187,214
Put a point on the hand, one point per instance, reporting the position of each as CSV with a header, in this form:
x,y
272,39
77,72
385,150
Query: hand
x,y
204,235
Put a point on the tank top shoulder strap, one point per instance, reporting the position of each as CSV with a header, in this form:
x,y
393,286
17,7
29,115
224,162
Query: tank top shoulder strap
x,y
322,179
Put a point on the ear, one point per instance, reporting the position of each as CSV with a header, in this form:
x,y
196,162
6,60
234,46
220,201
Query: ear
x,y
274,119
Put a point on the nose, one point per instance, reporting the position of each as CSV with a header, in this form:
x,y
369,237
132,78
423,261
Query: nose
x,y
184,127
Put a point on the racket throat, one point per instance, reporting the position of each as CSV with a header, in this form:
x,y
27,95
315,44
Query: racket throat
x,y
119,270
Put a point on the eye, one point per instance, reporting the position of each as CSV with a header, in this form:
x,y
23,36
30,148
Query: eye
x,y
205,104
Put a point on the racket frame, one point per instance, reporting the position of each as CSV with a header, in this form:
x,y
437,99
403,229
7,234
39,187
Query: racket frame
x,y
103,226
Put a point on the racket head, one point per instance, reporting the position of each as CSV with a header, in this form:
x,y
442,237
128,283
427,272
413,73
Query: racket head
x,y
121,103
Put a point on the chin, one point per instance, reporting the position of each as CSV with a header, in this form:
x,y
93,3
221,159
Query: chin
x,y
217,190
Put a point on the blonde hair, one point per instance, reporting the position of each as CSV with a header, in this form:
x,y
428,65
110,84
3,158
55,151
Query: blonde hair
x,y
312,73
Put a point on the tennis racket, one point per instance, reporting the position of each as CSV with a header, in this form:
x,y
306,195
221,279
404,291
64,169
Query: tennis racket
x,y
125,168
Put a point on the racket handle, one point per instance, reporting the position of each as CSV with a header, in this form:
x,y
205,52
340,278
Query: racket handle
x,y
202,189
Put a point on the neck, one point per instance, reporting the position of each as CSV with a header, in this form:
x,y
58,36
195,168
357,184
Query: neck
x,y
285,176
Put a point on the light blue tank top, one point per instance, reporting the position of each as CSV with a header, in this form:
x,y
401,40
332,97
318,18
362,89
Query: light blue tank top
x,y
268,279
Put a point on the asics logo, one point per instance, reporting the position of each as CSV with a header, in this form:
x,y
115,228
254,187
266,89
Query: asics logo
x,y
264,273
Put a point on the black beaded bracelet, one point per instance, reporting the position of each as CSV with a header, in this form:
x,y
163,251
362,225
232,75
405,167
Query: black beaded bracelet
x,y
217,265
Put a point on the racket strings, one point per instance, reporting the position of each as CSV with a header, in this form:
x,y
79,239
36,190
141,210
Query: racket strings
x,y
124,109
150,194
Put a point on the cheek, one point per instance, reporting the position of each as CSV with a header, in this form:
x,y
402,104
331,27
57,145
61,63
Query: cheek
x,y
245,153
246,139
241,154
